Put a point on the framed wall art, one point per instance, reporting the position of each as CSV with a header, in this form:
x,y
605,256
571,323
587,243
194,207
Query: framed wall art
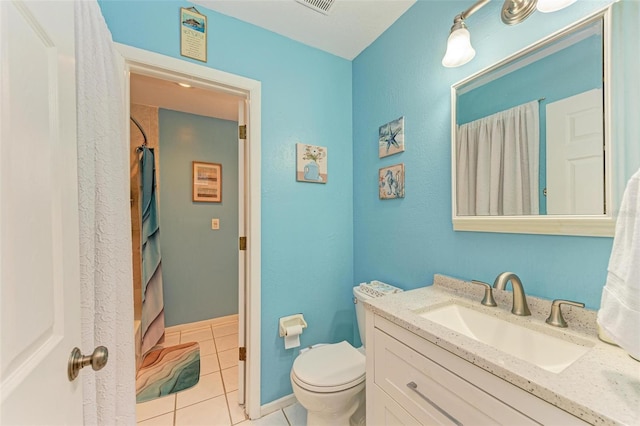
x,y
207,182
391,138
311,163
391,182
193,34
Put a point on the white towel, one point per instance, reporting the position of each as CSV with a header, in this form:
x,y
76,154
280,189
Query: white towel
x,y
619,313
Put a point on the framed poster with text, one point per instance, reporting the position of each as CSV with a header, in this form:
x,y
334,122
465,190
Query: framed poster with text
x,y
193,34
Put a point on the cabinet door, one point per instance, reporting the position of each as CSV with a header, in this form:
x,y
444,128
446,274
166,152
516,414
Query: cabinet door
x,y
469,394
388,412
430,392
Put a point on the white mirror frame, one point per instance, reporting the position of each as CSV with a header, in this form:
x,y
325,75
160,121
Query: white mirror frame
x,y
582,225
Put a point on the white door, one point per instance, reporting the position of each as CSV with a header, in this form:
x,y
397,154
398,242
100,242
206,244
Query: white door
x,y
575,155
39,255
241,253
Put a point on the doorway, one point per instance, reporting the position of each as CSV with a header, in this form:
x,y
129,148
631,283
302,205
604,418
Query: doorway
x,y
174,71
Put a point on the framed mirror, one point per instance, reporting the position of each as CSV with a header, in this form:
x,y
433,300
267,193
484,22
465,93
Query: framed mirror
x,y
531,145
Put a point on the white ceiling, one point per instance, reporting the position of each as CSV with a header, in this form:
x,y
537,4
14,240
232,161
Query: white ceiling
x,y
151,91
350,27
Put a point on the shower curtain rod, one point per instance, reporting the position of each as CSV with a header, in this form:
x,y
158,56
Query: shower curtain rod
x,y
144,135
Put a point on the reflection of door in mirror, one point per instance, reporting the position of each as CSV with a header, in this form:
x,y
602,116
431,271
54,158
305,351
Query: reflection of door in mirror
x,y
565,69
575,158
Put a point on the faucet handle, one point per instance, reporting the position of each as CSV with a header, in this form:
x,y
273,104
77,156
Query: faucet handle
x,y
555,317
488,299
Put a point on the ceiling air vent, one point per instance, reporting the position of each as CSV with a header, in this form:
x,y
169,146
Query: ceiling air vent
x,y
322,6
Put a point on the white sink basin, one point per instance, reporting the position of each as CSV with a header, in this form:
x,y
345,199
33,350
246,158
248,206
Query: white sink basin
x,y
545,351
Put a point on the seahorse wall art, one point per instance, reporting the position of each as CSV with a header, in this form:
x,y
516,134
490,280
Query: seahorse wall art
x,y
391,182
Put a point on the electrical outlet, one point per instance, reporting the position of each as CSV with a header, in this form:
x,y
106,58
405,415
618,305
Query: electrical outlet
x,y
215,223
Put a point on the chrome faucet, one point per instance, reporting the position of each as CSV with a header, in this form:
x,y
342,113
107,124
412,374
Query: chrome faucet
x,y
520,306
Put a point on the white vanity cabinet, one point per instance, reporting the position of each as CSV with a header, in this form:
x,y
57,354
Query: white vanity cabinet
x,y
411,381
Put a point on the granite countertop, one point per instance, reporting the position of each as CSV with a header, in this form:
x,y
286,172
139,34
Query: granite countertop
x,y
602,387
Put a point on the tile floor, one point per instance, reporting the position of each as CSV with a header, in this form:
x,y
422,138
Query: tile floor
x,y
213,401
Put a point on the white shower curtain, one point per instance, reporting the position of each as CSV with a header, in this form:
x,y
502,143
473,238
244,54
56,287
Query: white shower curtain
x,y
498,163
105,223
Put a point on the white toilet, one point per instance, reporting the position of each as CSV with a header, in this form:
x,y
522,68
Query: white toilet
x,y
329,380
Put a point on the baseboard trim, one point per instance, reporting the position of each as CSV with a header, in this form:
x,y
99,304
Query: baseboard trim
x,y
205,323
278,404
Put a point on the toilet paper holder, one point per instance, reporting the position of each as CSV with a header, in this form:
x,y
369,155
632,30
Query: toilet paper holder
x,y
291,321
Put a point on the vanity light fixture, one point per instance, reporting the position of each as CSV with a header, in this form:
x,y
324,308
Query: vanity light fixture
x,y
516,11
459,49
185,85
547,6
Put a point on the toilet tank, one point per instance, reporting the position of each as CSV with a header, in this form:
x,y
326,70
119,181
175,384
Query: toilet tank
x,y
358,297
366,291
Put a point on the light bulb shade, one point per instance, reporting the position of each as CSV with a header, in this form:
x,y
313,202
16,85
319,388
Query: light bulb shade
x,y
547,6
459,50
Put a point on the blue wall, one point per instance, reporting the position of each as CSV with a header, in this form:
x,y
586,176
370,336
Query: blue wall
x,y
405,241
307,229
199,265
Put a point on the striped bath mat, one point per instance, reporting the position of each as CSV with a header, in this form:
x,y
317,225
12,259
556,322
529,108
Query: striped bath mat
x,y
168,370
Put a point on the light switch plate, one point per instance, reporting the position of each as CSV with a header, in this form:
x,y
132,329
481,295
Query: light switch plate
x,y
215,223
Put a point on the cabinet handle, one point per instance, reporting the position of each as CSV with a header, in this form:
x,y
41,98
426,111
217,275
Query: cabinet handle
x,y
414,387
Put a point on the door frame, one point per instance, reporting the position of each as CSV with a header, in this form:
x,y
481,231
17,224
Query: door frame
x,y
164,67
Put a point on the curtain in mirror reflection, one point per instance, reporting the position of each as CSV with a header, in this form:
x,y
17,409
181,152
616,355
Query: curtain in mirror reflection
x,y
498,163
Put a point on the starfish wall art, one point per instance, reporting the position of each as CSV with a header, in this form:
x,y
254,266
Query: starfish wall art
x,y
391,138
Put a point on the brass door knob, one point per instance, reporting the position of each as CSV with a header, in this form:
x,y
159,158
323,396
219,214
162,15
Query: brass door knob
x,y
77,361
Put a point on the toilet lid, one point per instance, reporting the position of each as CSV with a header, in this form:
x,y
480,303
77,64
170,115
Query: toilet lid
x,y
330,366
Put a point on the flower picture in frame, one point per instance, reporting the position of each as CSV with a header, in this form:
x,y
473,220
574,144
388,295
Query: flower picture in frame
x,y
391,138
311,164
391,182
207,182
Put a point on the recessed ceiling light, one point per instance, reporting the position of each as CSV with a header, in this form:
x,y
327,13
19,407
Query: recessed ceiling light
x,y
184,85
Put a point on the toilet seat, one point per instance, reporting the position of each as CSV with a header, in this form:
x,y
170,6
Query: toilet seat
x,y
329,368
